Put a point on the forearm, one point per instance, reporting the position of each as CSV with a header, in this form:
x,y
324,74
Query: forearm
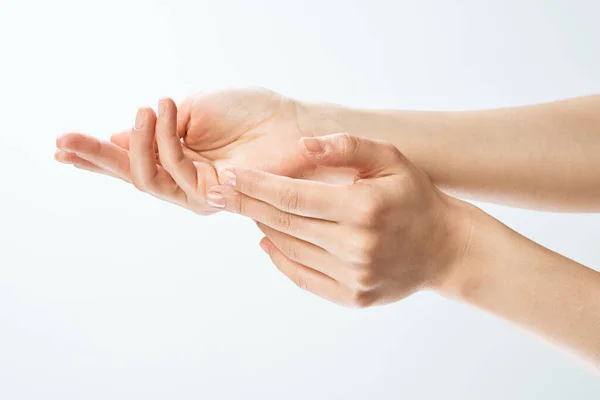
x,y
510,276
545,156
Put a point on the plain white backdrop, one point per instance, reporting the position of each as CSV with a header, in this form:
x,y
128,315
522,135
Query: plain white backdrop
x,y
107,293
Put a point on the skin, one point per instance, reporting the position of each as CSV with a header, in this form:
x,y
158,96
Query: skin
x,y
251,128
404,235
542,156
470,154
240,151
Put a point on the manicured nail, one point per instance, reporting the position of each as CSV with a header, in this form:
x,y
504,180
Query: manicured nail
x,y
60,143
264,245
58,156
313,145
215,199
139,119
161,108
228,177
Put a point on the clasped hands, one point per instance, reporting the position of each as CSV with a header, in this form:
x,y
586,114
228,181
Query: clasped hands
x,y
385,235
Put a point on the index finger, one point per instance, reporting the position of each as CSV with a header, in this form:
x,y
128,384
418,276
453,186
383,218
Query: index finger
x,y
296,196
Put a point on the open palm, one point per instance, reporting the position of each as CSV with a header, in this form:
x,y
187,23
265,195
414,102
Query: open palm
x,y
249,128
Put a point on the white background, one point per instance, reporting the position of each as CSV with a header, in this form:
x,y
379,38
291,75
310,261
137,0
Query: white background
x,y
107,293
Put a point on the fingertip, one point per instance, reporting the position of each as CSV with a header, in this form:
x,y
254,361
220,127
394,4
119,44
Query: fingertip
x,y
121,139
59,156
60,141
266,245
260,225
144,116
67,141
65,157
312,145
168,102
165,105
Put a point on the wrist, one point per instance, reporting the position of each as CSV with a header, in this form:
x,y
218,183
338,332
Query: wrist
x,y
467,225
319,119
419,135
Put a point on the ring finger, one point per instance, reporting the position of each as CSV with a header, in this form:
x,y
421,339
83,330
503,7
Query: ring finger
x,y
309,255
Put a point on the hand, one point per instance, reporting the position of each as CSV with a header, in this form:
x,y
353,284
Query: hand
x,y
375,241
252,128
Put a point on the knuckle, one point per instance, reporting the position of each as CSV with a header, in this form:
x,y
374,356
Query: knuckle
x,y
170,162
391,150
348,144
365,278
238,203
362,299
282,221
139,184
235,202
407,185
300,281
289,199
364,248
371,212
290,251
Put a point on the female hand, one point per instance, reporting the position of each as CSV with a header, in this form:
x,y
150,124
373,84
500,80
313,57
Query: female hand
x,y
155,163
375,241
252,128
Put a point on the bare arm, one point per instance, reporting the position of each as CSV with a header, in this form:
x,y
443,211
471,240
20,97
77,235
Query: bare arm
x,y
544,156
402,235
509,275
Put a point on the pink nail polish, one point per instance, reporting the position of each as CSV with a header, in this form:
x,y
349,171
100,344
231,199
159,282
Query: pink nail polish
x,y
228,178
216,200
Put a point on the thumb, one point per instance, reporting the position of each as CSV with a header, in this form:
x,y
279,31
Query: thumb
x,y
367,157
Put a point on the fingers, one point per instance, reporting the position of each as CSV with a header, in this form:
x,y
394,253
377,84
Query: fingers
x,y
105,155
314,281
71,158
143,166
146,175
368,157
184,116
121,139
296,196
171,154
309,255
322,233
304,277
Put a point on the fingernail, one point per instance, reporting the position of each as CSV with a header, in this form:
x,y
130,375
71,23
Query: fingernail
x,y
313,145
264,245
161,108
58,157
139,119
228,177
60,143
215,199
